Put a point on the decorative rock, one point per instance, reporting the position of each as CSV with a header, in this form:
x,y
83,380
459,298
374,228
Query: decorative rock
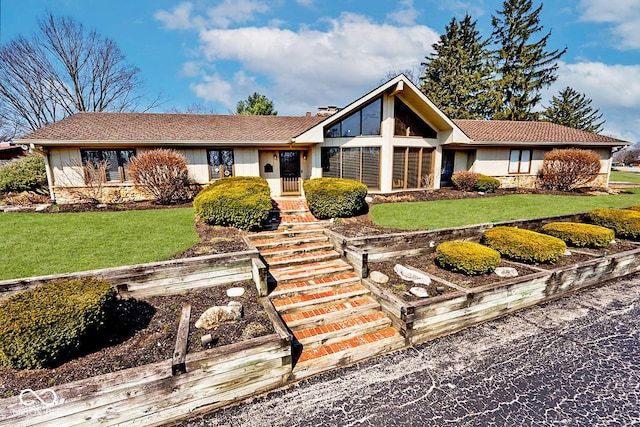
x,y
419,292
253,329
206,339
368,199
218,314
411,275
379,277
235,292
567,253
13,209
42,207
506,272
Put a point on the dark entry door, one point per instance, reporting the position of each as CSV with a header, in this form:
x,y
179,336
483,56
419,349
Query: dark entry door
x,y
448,158
290,172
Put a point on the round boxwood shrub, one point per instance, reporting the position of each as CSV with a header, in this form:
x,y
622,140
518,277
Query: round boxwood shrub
x,y
467,257
580,235
243,202
624,222
335,197
487,184
24,174
46,326
524,245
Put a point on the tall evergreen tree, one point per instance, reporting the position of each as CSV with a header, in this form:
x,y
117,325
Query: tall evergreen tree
x,y
457,75
256,105
573,109
524,66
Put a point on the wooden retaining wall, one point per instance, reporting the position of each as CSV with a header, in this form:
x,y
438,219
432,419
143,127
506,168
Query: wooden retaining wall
x,y
152,395
166,277
430,318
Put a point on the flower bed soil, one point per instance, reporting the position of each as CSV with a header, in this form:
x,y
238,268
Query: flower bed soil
x,y
142,332
215,240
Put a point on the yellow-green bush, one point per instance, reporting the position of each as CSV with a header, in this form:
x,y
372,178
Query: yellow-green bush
x,y
48,325
467,257
487,184
335,197
243,202
580,235
634,208
524,245
624,222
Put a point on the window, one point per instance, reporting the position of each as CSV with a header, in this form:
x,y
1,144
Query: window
x,y
412,167
520,161
365,121
117,162
409,124
361,164
220,163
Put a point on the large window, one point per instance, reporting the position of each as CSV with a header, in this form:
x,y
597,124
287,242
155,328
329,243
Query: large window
x,y
407,123
520,161
220,163
365,121
412,167
360,164
116,161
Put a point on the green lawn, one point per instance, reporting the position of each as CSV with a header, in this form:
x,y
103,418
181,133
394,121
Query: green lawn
x,y
619,176
455,213
33,244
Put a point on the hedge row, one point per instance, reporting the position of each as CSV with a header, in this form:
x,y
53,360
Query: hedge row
x,y
48,325
335,197
580,235
624,222
243,202
524,245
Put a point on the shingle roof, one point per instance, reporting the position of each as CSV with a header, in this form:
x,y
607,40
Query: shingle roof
x,y
173,127
536,132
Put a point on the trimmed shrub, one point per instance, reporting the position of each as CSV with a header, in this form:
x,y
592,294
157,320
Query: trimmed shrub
x,y
465,181
580,235
634,208
467,257
624,222
243,202
48,325
335,197
524,245
567,169
25,174
163,173
487,184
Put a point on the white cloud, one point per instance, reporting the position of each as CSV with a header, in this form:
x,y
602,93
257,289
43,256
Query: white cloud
x,y
178,19
623,15
213,89
309,68
405,15
305,2
220,16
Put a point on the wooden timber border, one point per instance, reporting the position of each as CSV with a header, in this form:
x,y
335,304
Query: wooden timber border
x,y
187,385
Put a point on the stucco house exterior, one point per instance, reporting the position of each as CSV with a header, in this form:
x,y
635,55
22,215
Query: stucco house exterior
x,y
391,139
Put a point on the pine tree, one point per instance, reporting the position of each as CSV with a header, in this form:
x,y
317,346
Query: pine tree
x,y
573,109
256,105
457,76
524,67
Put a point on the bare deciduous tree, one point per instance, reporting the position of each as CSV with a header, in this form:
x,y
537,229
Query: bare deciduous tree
x,y
65,69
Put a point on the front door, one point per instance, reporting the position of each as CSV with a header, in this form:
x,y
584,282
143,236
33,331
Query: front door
x,y
448,159
290,172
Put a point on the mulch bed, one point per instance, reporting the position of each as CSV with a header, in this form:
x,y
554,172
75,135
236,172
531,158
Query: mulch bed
x,y
215,240
142,332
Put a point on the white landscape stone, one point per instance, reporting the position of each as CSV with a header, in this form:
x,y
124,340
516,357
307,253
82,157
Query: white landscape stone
x,y
219,314
567,252
419,292
379,277
235,292
506,272
411,275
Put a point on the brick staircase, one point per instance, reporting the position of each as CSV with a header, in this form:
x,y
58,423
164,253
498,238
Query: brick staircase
x,y
333,316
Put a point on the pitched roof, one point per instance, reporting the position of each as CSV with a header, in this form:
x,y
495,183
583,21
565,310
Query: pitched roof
x,y
497,131
173,127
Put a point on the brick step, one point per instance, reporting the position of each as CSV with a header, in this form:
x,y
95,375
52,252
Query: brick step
x,y
344,353
331,313
306,286
269,242
301,258
303,247
331,333
297,273
304,302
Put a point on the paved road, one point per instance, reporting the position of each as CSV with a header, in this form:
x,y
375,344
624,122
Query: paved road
x,y
572,362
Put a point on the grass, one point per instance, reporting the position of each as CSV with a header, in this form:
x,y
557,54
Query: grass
x,y
34,244
619,176
456,213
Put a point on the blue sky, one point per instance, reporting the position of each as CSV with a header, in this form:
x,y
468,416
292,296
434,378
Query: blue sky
x,y
309,53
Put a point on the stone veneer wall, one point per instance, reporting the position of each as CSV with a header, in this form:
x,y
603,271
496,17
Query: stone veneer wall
x,y
111,193
531,181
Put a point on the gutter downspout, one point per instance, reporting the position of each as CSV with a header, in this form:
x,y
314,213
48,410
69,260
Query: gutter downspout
x,y
47,167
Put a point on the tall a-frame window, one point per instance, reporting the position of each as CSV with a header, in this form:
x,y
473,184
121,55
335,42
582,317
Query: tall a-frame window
x,y
365,121
409,123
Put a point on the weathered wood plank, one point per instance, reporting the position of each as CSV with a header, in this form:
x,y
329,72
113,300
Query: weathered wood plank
x,y
178,365
259,275
279,326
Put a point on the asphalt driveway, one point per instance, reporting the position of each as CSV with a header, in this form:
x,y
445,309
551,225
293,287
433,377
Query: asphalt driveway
x,y
572,362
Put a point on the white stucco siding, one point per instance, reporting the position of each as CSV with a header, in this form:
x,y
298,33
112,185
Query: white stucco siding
x,y
492,161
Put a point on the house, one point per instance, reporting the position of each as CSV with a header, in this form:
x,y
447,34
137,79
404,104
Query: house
x,y
10,151
391,139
